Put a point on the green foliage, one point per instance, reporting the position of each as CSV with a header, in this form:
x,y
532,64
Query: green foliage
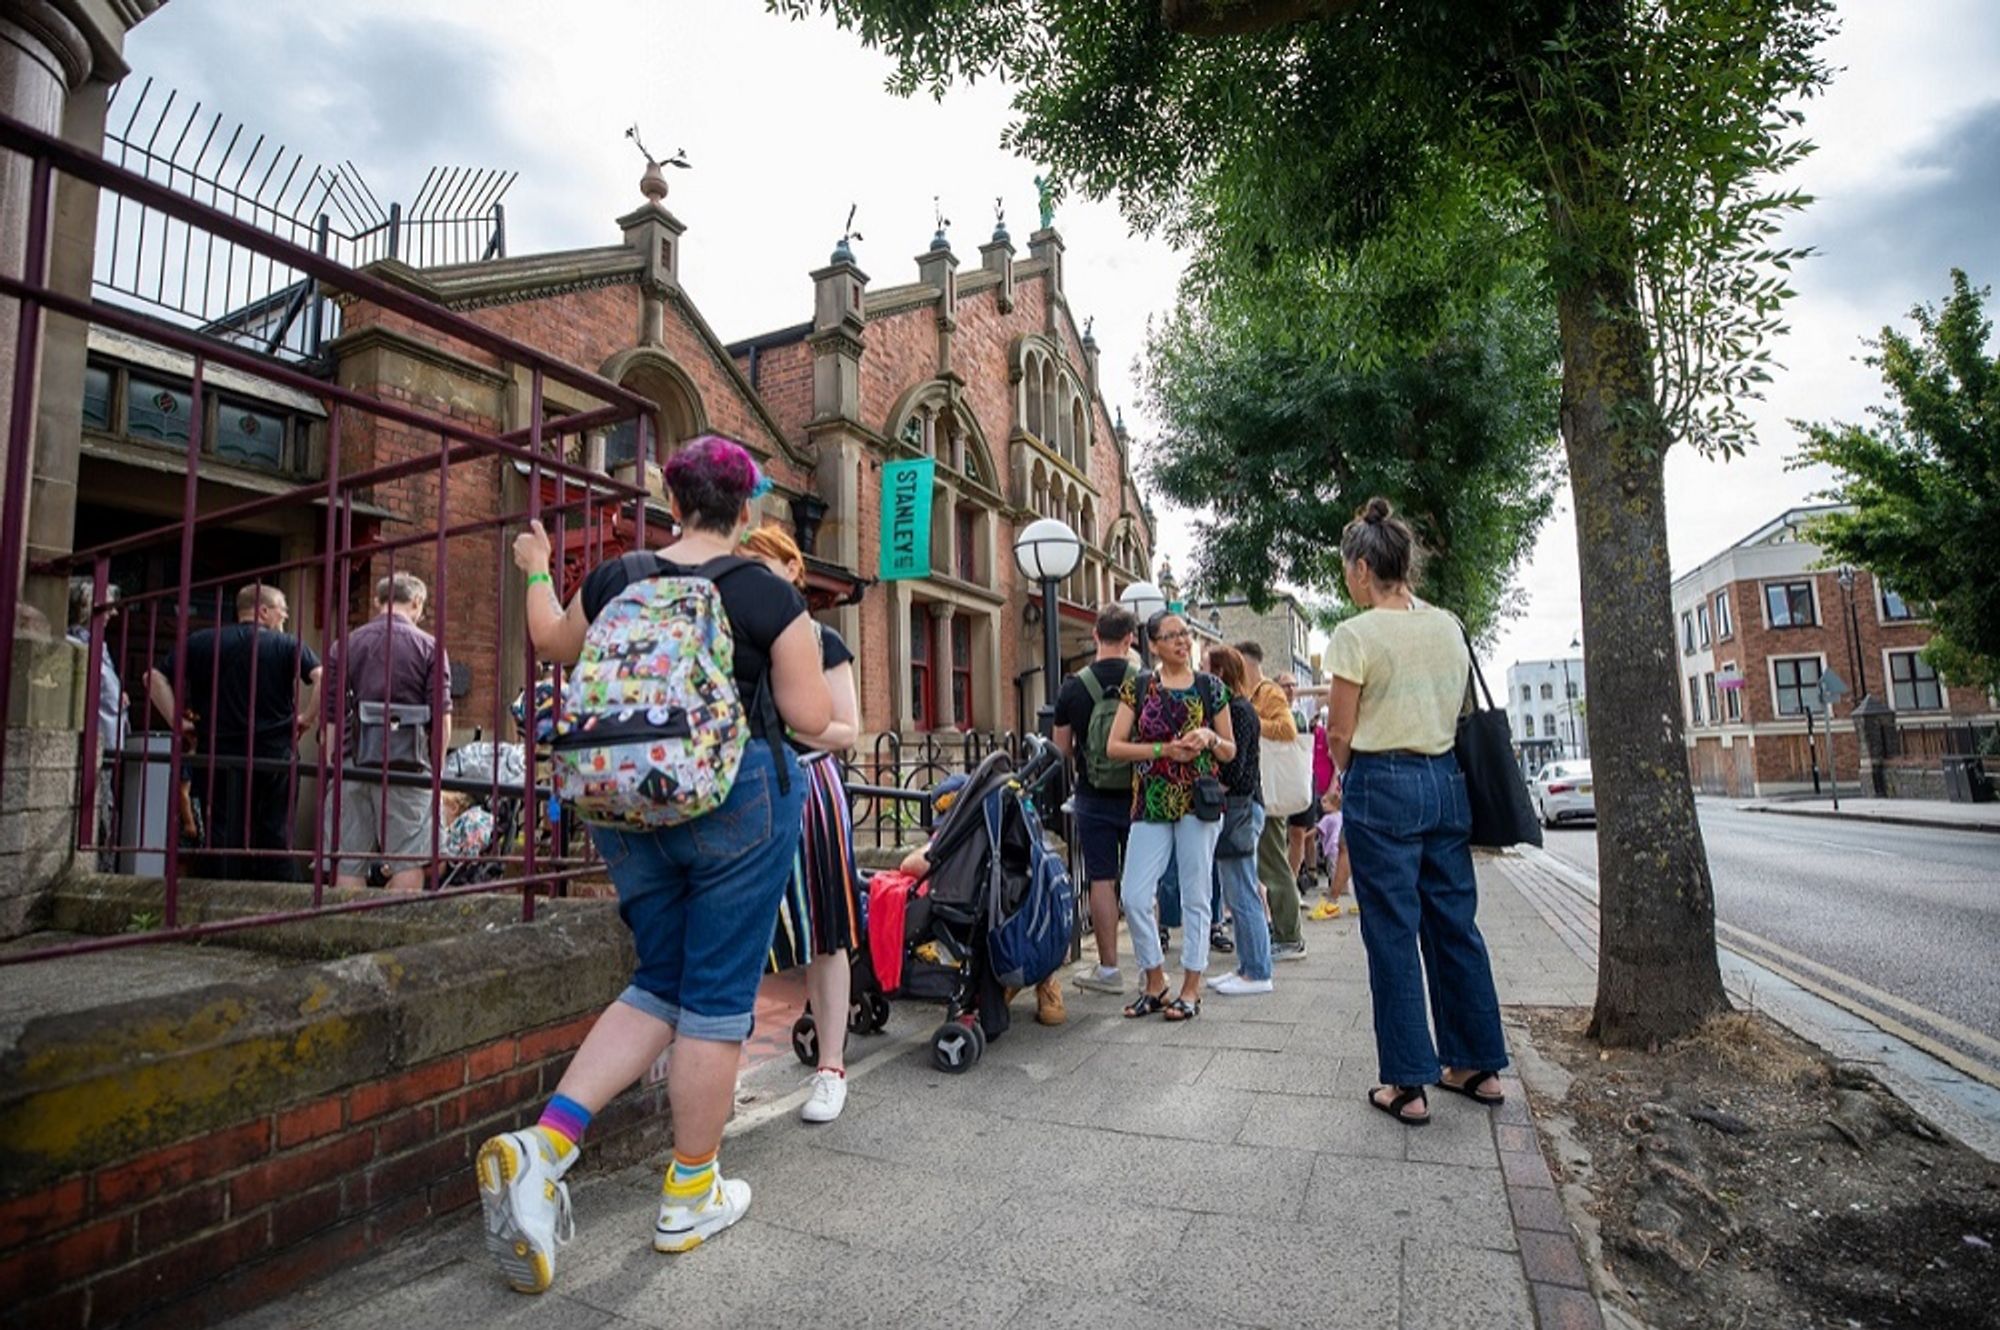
x,y
1924,482
1422,372
1641,132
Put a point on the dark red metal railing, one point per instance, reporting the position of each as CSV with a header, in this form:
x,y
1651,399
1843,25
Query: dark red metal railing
x,y
154,624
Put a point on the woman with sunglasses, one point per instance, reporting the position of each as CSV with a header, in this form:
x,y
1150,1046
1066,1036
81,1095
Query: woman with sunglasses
x,y
1173,725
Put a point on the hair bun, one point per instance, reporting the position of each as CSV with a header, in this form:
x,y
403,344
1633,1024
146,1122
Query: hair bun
x,y
1376,512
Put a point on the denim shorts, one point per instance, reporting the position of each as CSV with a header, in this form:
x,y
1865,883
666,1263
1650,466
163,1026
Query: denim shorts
x,y
1102,824
702,898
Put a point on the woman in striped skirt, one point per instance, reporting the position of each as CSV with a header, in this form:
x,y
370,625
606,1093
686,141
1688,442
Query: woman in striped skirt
x,y
820,921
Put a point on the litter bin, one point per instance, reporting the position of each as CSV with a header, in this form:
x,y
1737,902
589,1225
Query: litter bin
x,y
1966,781
148,821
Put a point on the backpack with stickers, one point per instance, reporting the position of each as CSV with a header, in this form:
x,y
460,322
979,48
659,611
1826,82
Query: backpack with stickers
x,y
652,730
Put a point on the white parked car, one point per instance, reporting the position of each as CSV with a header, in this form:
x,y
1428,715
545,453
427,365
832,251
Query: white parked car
x,y
1562,793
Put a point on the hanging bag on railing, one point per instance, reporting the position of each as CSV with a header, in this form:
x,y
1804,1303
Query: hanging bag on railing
x,y
1494,786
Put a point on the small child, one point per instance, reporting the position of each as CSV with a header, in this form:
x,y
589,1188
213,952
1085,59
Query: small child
x,y
1334,850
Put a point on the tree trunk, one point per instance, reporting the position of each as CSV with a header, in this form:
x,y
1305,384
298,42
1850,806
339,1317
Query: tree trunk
x,y
1657,975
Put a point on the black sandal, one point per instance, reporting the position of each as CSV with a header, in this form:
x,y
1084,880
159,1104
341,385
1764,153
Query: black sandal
x,y
1219,940
1180,1009
1405,1096
1469,1087
1146,1004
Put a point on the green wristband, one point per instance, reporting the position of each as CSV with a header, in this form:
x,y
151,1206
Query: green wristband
x,y
1156,751
540,577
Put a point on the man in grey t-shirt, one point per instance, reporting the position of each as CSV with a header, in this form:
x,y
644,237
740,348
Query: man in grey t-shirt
x,y
391,682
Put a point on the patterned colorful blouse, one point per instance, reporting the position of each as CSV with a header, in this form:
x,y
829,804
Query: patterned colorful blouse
x,y
1163,789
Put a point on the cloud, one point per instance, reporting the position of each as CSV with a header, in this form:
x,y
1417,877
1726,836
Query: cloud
x,y
1883,248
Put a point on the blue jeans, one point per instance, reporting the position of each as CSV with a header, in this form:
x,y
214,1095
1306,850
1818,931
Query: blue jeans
x,y
1238,879
1190,844
702,898
1407,823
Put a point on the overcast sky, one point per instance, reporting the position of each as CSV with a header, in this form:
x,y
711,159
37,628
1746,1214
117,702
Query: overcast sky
x,y
787,124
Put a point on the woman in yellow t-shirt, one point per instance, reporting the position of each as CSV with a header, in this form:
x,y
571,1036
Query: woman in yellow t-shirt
x,y
1399,676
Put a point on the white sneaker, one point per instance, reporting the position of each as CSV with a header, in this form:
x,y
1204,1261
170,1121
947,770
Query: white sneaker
x,y
1098,980
684,1227
1235,985
828,1097
526,1204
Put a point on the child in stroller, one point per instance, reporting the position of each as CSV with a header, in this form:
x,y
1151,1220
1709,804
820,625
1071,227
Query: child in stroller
x,y
986,909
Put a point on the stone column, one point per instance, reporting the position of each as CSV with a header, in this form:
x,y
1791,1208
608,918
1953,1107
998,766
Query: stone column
x,y
942,661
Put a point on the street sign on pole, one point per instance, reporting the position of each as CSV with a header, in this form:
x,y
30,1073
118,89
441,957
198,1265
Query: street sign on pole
x,y
1831,689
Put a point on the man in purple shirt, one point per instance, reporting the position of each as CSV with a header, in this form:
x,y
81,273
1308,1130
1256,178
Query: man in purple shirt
x,y
394,676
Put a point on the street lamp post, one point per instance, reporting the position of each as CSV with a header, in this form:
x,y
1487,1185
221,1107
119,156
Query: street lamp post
x,y
1144,600
1569,714
1846,579
1047,551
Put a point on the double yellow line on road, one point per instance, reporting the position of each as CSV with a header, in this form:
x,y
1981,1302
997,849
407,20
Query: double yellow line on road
x,y
1873,1005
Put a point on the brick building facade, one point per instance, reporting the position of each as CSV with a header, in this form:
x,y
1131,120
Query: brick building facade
x,y
989,373
1756,627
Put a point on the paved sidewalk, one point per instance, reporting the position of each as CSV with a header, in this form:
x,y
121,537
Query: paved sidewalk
x,y
1898,812
1103,1174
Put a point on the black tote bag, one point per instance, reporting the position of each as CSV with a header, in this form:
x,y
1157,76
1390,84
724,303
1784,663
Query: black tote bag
x,y
1502,814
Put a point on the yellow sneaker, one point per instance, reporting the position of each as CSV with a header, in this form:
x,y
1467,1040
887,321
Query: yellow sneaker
x,y
1325,910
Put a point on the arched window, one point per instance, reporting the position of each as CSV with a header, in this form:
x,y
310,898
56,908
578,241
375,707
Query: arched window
x,y
1031,393
1078,430
1066,434
1049,407
677,415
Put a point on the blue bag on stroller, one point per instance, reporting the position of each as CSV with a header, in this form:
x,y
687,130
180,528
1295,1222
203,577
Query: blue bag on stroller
x,y
1031,908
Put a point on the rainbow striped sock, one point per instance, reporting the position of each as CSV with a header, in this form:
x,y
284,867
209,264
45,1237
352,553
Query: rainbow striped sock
x,y
689,1180
565,1121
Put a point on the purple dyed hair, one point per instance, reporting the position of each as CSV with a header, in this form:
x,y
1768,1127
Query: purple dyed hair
x,y
711,479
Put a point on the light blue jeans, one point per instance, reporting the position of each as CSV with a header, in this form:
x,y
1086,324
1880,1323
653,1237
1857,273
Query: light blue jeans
x,y
1238,877
1190,843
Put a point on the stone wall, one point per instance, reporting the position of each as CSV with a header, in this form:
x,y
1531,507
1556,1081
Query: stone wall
x,y
39,798
180,1159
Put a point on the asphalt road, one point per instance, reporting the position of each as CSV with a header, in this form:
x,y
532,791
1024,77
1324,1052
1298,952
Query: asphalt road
x,y
1910,911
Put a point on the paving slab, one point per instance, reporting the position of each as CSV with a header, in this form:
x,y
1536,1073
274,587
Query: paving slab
x,y
1104,1173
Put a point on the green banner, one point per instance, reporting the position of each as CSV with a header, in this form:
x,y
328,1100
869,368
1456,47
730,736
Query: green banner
x,y
906,519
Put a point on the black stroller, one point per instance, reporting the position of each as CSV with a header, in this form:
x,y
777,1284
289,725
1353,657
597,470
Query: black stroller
x,y
996,912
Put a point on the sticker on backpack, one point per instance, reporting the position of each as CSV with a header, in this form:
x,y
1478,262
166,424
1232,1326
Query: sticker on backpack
x,y
653,729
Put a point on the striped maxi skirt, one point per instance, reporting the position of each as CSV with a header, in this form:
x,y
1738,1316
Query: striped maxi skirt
x,y
822,912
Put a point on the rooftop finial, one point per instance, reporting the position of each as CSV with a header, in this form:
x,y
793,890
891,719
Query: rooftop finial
x,y
841,252
1045,199
939,241
1088,324
1000,236
654,183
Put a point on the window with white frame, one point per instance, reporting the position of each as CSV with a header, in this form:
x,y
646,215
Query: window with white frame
x,y
1913,684
1895,609
1732,698
1701,622
1687,632
1708,692
1724,628
1790,604
1527,725
1694,699
1527,693
1795,680
1548,691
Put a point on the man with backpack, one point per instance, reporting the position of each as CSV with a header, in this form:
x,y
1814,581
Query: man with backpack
x,y
1085,707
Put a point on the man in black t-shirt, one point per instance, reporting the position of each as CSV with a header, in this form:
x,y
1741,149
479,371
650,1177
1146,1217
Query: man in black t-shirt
x,y
252,807
1103,813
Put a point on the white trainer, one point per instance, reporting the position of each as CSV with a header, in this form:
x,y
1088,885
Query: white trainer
x,y
828,1097
1096,980
684,1227
526,1204
1235,985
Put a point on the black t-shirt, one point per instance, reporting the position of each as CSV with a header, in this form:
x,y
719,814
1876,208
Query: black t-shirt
x,y
1240,774
1073,708
833,649
218,686
760,605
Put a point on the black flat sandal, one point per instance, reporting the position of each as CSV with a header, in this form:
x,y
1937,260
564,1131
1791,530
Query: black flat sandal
x,y
1405,1096
1146,1004
1469,1087
1180,1009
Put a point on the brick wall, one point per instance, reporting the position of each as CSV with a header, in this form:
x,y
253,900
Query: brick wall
x,y
210,1226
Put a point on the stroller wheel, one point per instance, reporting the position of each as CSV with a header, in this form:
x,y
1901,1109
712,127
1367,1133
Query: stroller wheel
x,y
955,1047
805,1040
870,1014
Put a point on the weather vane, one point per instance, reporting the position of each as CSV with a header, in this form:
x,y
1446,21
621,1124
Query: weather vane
x,y
679,158
943,221
1000,212
1088,324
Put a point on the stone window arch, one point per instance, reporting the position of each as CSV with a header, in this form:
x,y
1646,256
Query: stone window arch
x,y
678,414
